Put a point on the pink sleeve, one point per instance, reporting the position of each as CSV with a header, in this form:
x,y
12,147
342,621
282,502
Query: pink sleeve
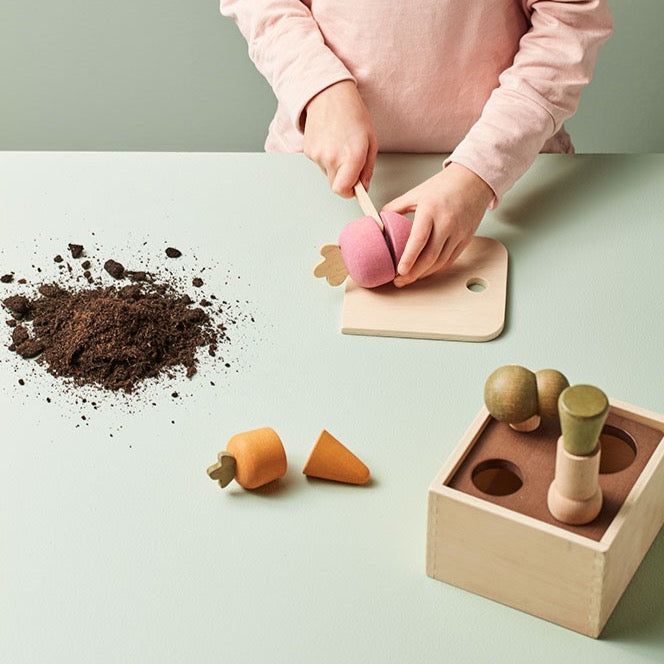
x,y
288,48
540,90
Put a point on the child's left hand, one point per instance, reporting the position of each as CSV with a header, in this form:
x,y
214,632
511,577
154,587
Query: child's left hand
x,y
448,209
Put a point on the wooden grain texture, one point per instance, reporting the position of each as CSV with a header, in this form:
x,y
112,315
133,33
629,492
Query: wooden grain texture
x,y
575,496
534,454
332,267
439,307
582,410
366,205
510,394
259,455
499,547
508,558
636,525
550,384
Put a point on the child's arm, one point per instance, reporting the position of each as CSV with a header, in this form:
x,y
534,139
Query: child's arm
x,y
315,87
287,47
541,89
339,136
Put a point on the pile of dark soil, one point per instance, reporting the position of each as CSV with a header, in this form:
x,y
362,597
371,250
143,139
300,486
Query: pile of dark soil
x,y
114,337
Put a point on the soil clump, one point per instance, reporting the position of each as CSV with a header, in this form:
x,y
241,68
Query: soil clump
x,y
114,336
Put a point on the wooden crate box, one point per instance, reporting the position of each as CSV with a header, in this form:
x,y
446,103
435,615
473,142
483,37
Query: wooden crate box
x,y
489,530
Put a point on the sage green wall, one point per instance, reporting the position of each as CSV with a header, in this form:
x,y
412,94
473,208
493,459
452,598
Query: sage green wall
x,y
174,75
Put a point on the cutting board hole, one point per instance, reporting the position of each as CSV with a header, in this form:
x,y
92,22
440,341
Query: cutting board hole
x,y
497,477
618,450
476,285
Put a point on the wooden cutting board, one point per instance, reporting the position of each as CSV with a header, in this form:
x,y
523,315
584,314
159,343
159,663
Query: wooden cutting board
x,y
464,303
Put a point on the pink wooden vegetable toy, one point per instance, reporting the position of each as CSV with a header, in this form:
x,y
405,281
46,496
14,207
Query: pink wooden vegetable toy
x,y
369,248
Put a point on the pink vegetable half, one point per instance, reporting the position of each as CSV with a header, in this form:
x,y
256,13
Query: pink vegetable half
x,y
368,254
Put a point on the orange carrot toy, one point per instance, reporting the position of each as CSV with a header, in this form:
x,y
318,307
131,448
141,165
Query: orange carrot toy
x,y
253,458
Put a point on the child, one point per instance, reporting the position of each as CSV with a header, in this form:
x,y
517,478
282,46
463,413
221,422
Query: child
x,y
490,81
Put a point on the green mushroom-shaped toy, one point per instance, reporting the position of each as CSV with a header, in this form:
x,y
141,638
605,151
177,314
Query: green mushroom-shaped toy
x,y
520,397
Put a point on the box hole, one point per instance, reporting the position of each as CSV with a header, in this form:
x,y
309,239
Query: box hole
x,y
618,450
476,285
497,477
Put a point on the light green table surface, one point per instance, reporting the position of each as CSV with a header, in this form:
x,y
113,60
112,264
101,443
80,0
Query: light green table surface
x,y
120,549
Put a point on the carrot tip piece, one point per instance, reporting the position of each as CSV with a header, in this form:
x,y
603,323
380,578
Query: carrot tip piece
x,y
330,460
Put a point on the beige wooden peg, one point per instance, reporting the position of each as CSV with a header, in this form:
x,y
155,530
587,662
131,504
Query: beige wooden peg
x,y
332,267
575,496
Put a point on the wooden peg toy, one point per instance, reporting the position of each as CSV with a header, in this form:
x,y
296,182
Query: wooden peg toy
x,y
331,460
575,496
252,458
516,395
564,551
550,385
369,248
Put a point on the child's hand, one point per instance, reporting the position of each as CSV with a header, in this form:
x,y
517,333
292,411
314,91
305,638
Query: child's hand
x,y
448,209
339,136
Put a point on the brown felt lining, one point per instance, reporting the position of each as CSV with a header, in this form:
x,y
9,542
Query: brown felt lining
x,y
534,455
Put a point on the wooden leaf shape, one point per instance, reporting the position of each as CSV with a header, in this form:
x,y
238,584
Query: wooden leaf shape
x,y
332,266
224,469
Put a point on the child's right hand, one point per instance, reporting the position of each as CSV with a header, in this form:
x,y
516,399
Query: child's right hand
x,y
339,136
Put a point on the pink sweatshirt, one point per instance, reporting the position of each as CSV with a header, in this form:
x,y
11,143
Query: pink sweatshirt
x,y
489,81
